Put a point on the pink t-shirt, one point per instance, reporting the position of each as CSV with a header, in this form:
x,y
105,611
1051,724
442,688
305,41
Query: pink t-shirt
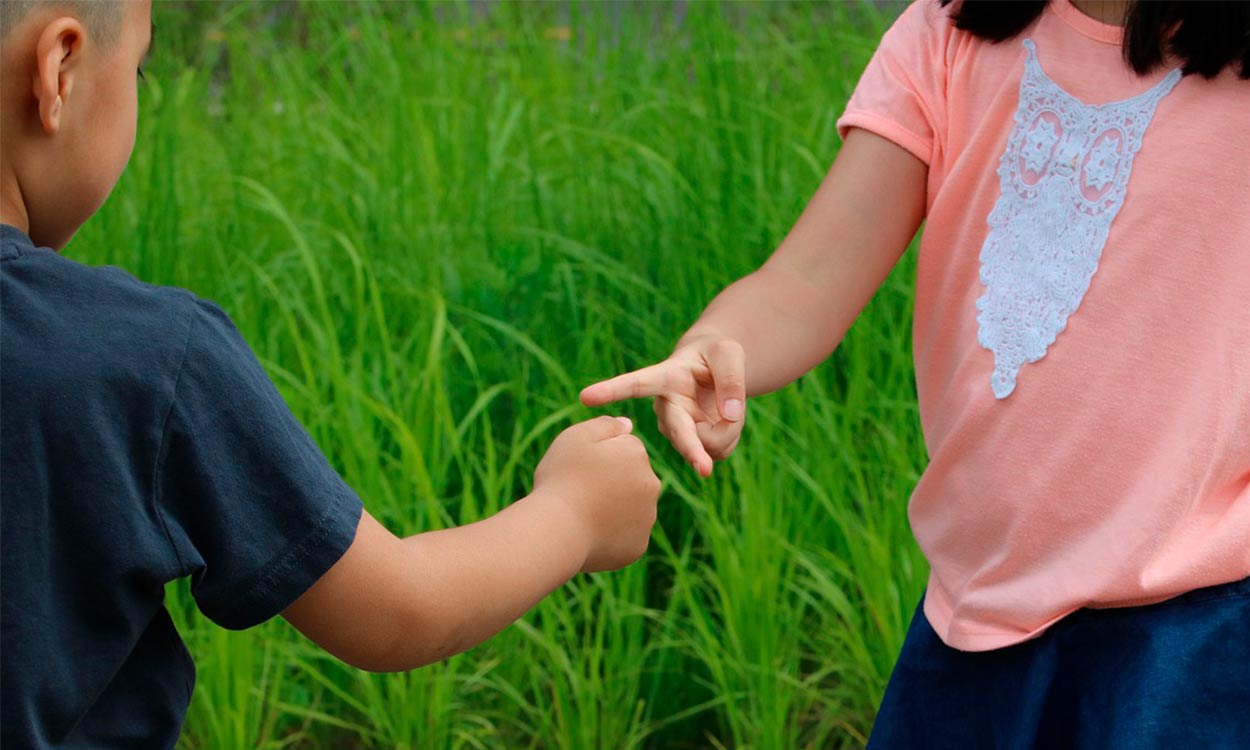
x,y
1082,323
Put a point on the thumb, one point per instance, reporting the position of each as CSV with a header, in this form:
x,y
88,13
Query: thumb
x,y
606,428
727,361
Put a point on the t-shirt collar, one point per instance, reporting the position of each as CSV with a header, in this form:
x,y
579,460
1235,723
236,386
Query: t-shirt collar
x,y
1092,28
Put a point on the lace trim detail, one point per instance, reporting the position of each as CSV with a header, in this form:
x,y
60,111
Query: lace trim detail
x,y
1062,181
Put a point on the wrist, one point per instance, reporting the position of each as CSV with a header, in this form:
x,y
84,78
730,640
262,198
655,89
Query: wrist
x,y
699,333
570,532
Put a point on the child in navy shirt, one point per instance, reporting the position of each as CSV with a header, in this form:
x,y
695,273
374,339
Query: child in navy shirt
x,y
141,442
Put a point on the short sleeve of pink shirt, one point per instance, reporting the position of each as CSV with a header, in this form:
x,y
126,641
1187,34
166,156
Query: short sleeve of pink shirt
x,y
1082,320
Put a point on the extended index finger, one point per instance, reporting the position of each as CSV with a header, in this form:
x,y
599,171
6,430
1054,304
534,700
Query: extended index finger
x,y
649,381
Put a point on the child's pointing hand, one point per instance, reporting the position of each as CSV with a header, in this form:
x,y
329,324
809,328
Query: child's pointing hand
x,y
700,399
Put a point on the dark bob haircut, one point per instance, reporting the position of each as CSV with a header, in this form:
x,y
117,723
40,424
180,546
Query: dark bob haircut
x,y
1206,35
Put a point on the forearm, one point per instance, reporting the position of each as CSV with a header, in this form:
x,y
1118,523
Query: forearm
x,y
791,314
784,330
393,604
477,579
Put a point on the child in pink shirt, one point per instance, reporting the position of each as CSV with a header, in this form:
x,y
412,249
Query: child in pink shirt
x,y
1082,349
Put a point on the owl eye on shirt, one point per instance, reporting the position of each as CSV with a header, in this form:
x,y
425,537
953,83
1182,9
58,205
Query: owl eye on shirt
x,y
1102,164
1039,144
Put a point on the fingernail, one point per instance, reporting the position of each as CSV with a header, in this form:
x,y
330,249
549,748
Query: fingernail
x,y
629,425
732,410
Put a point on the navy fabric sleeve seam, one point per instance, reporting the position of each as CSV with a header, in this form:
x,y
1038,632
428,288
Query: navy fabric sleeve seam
x,y
16,251
160,451
274,572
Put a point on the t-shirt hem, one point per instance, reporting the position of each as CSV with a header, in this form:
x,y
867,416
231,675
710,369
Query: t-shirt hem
x,y
286,578
888,129
939,613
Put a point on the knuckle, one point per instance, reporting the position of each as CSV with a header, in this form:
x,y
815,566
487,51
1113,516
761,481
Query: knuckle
x,y
641,548
721,446
728,348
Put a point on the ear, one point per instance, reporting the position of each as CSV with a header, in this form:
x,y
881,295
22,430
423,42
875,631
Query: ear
x,y
57,53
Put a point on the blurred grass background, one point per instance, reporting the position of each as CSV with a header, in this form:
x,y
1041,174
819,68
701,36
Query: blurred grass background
x,y
434,223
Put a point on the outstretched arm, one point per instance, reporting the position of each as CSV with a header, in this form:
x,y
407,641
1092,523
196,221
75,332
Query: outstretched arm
x,y
392,604
768,328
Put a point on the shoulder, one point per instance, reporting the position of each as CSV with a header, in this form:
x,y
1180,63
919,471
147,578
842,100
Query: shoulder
x,y
918,50
76,326
925,22
924,39
69,299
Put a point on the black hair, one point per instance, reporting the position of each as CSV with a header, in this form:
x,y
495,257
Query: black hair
x,y
1206,35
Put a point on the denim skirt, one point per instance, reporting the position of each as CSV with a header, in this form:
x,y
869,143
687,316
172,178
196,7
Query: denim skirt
x,y
1172,675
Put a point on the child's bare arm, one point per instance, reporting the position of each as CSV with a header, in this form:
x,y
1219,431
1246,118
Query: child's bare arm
x,y
791,313
770,327
393,604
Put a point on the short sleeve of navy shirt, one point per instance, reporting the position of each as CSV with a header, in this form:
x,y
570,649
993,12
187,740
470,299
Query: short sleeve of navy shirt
x,y
140,442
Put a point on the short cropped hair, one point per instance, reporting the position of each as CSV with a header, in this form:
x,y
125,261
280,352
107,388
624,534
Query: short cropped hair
x,y
103,18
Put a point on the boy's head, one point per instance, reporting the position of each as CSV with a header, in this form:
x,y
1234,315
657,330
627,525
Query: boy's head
x,y
68,108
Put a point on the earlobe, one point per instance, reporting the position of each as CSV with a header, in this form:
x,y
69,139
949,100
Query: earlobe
x,y
56,57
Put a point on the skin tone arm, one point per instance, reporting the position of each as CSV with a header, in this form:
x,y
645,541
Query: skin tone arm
x,y
393,604
767,329
457,588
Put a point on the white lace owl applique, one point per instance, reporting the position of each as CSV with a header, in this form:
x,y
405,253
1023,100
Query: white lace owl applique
x,y
1062,181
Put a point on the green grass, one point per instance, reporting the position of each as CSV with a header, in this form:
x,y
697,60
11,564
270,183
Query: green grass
x,y
434,223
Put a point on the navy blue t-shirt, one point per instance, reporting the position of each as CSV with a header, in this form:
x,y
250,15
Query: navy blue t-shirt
x,y
140,442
